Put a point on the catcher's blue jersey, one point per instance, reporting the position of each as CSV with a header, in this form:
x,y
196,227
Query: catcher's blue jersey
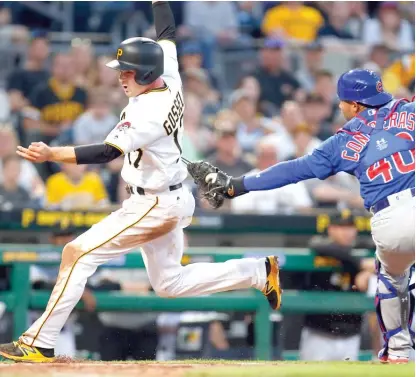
x,y
381,157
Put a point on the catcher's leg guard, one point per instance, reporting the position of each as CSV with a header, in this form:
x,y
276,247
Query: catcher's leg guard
x,y
394,313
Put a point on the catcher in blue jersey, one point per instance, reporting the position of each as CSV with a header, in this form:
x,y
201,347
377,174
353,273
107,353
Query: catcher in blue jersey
x,y
377,146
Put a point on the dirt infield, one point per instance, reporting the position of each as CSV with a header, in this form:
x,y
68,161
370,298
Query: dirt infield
x,y
204,368
93,370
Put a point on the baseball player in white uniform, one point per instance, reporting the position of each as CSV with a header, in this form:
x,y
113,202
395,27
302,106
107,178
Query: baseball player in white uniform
x,y
149,135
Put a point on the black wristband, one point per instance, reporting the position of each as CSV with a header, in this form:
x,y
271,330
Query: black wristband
x,y
236,187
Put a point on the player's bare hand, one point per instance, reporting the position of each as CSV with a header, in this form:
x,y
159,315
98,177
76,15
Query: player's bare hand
x,y
37,152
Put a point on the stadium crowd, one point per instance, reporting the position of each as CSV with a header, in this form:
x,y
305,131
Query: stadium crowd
x,y
279,109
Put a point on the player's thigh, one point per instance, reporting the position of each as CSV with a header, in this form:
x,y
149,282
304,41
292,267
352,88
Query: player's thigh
x,y
163,255
393,231
136,223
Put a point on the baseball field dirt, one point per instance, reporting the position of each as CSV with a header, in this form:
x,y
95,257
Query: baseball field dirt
x,y
205,368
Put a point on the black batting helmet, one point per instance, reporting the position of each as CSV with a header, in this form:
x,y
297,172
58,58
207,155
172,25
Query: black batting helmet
x,y
142,55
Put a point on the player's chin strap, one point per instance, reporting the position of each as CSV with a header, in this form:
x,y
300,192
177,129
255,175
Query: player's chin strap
x,y
393,293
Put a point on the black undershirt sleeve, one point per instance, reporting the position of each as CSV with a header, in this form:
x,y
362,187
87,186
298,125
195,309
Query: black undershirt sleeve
x,y
164,21
96,154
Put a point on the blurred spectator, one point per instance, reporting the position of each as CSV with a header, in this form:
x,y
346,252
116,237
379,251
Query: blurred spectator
x,y
4,106
336,26
311,63
389,28
197,139
221,29
341,191
96,123
83,57
28,178
11,194
11,105
190,58
379,59
277,84
315,111
75,188
250,85
284,200
25,80
334,336
55,104
399,77
325,87
358,16
222,16
107,79
9,33
293,20
250,16
227,156
303,140
290,118
196,81
251,126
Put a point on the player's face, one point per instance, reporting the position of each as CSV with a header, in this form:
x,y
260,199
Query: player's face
x,y
343,235
129,84
349,109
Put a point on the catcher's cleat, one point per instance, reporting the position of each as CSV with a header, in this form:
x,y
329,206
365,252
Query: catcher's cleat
x,y
21,352
272,290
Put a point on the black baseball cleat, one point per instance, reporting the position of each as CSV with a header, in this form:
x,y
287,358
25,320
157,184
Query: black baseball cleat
x,y
272,290
21,352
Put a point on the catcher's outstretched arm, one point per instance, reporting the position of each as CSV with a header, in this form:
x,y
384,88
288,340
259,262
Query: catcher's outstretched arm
x,y
279,175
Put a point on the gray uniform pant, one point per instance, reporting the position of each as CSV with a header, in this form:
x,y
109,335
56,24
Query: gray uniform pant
x,y
393,231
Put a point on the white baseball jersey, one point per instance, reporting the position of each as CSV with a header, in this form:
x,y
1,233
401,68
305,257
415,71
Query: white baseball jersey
x,y
150,131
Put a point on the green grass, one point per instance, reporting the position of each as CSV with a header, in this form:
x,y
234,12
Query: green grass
x,y
308,369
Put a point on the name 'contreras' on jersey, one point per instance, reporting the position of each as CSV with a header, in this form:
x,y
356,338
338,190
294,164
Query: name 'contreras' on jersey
x,y
150,131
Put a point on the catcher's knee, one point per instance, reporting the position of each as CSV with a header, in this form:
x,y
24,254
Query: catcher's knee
x,y
394,262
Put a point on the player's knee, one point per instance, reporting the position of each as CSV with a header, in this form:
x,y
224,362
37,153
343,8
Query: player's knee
x,y
164,290
70,254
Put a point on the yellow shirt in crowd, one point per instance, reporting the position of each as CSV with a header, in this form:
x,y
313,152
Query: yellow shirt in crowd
x,y
400,74
301,23
62,192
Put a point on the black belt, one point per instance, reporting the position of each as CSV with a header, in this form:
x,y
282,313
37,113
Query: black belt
x,y
384,203
140,190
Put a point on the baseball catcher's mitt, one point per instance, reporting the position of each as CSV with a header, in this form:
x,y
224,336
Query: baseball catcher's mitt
x,y
207,189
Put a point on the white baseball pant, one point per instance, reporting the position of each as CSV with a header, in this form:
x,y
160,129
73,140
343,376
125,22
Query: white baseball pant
x,y
154,223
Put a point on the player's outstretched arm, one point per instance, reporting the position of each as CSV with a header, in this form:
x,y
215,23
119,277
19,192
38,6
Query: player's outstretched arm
x,y
86,154
164,21
40,152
